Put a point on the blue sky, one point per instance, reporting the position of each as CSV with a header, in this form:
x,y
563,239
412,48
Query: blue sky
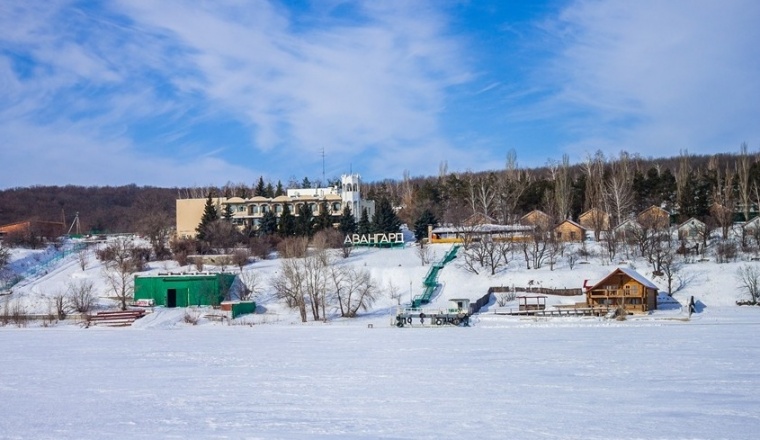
x,y
186,92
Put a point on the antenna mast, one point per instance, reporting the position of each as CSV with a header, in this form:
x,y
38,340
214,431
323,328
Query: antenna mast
x,y
324,182
75,222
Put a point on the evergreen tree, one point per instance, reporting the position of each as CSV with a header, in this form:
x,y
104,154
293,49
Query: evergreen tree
x,y
279,191
227,213
269,191
324,220
210,215
287,222
385,219
260,189
268,225
304,221
365,227
421,225
306,183
347,221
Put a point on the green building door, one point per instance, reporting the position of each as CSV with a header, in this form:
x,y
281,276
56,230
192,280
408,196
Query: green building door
x,y
171,298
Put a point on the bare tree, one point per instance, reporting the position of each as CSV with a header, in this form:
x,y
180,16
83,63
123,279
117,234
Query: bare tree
x,y
511,184
424,253
743,173
83,256
81,296
120,265
560,173
289,285
481,193
748,277
240,258
353,288
619,190
252,285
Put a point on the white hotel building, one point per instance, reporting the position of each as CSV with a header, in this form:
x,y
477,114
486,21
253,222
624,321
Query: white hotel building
x,y
248,212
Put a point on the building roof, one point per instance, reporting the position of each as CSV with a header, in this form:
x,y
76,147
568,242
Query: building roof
x,y
632,274
691,221
572,223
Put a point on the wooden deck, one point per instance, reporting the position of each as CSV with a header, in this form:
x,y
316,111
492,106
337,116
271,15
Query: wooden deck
x,y
556,312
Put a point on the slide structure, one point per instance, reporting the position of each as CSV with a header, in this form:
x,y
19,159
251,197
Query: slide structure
x,y
431,279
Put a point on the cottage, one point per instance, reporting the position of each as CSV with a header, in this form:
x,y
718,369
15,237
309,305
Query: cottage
x,y
626,288
691,229
568,230
654,217
538,219
595,219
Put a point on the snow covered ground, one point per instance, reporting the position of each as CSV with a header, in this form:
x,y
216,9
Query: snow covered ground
x,y
658,376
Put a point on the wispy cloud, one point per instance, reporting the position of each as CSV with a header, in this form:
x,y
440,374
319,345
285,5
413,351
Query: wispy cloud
x,y
654,77
155,81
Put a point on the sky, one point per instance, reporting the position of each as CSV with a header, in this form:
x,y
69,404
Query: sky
x,y
193,93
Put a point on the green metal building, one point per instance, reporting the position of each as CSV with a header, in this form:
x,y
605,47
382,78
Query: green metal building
x,y
183,290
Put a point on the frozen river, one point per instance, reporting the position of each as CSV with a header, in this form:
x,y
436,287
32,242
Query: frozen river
x,y
552,380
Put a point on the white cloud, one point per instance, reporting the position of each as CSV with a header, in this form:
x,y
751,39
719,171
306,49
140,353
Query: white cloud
x,y
655,77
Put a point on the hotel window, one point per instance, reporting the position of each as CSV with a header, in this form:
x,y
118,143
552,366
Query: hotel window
x,y
278,209
255,209
313,208
336,206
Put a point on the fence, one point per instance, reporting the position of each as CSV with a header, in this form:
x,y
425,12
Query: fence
x,y
41,264
485,299
541,290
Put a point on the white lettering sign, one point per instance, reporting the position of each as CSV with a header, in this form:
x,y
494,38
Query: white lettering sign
x,y
374,239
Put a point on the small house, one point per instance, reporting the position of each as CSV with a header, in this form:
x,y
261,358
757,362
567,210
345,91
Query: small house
x,y
654,217
627,229
595,219
691,229
626,288
568,230
537,218
184,289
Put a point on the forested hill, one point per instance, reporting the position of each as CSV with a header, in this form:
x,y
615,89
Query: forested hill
x,y
688,186
105,208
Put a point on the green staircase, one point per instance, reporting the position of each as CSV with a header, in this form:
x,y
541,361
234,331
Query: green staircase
x,y
431,279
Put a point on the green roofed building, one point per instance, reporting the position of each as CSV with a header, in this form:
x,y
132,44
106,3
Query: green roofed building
x,y
184,289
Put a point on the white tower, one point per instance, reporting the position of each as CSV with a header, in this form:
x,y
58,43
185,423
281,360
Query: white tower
x,y
351,195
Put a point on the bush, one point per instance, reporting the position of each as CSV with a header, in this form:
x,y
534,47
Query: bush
x,y
81,296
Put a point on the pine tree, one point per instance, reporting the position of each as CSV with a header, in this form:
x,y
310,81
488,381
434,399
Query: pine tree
x,y
306,183
365,227
304,221
324,220
347,221
227,214
421,225
269,191
279,191
260,189
210,215
287,222
268,225
385,219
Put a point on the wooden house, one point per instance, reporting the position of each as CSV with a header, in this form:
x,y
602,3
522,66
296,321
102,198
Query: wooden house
x,y
624,288
654,217
628,229
568,230
595,219
691,229
538,219
752,227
